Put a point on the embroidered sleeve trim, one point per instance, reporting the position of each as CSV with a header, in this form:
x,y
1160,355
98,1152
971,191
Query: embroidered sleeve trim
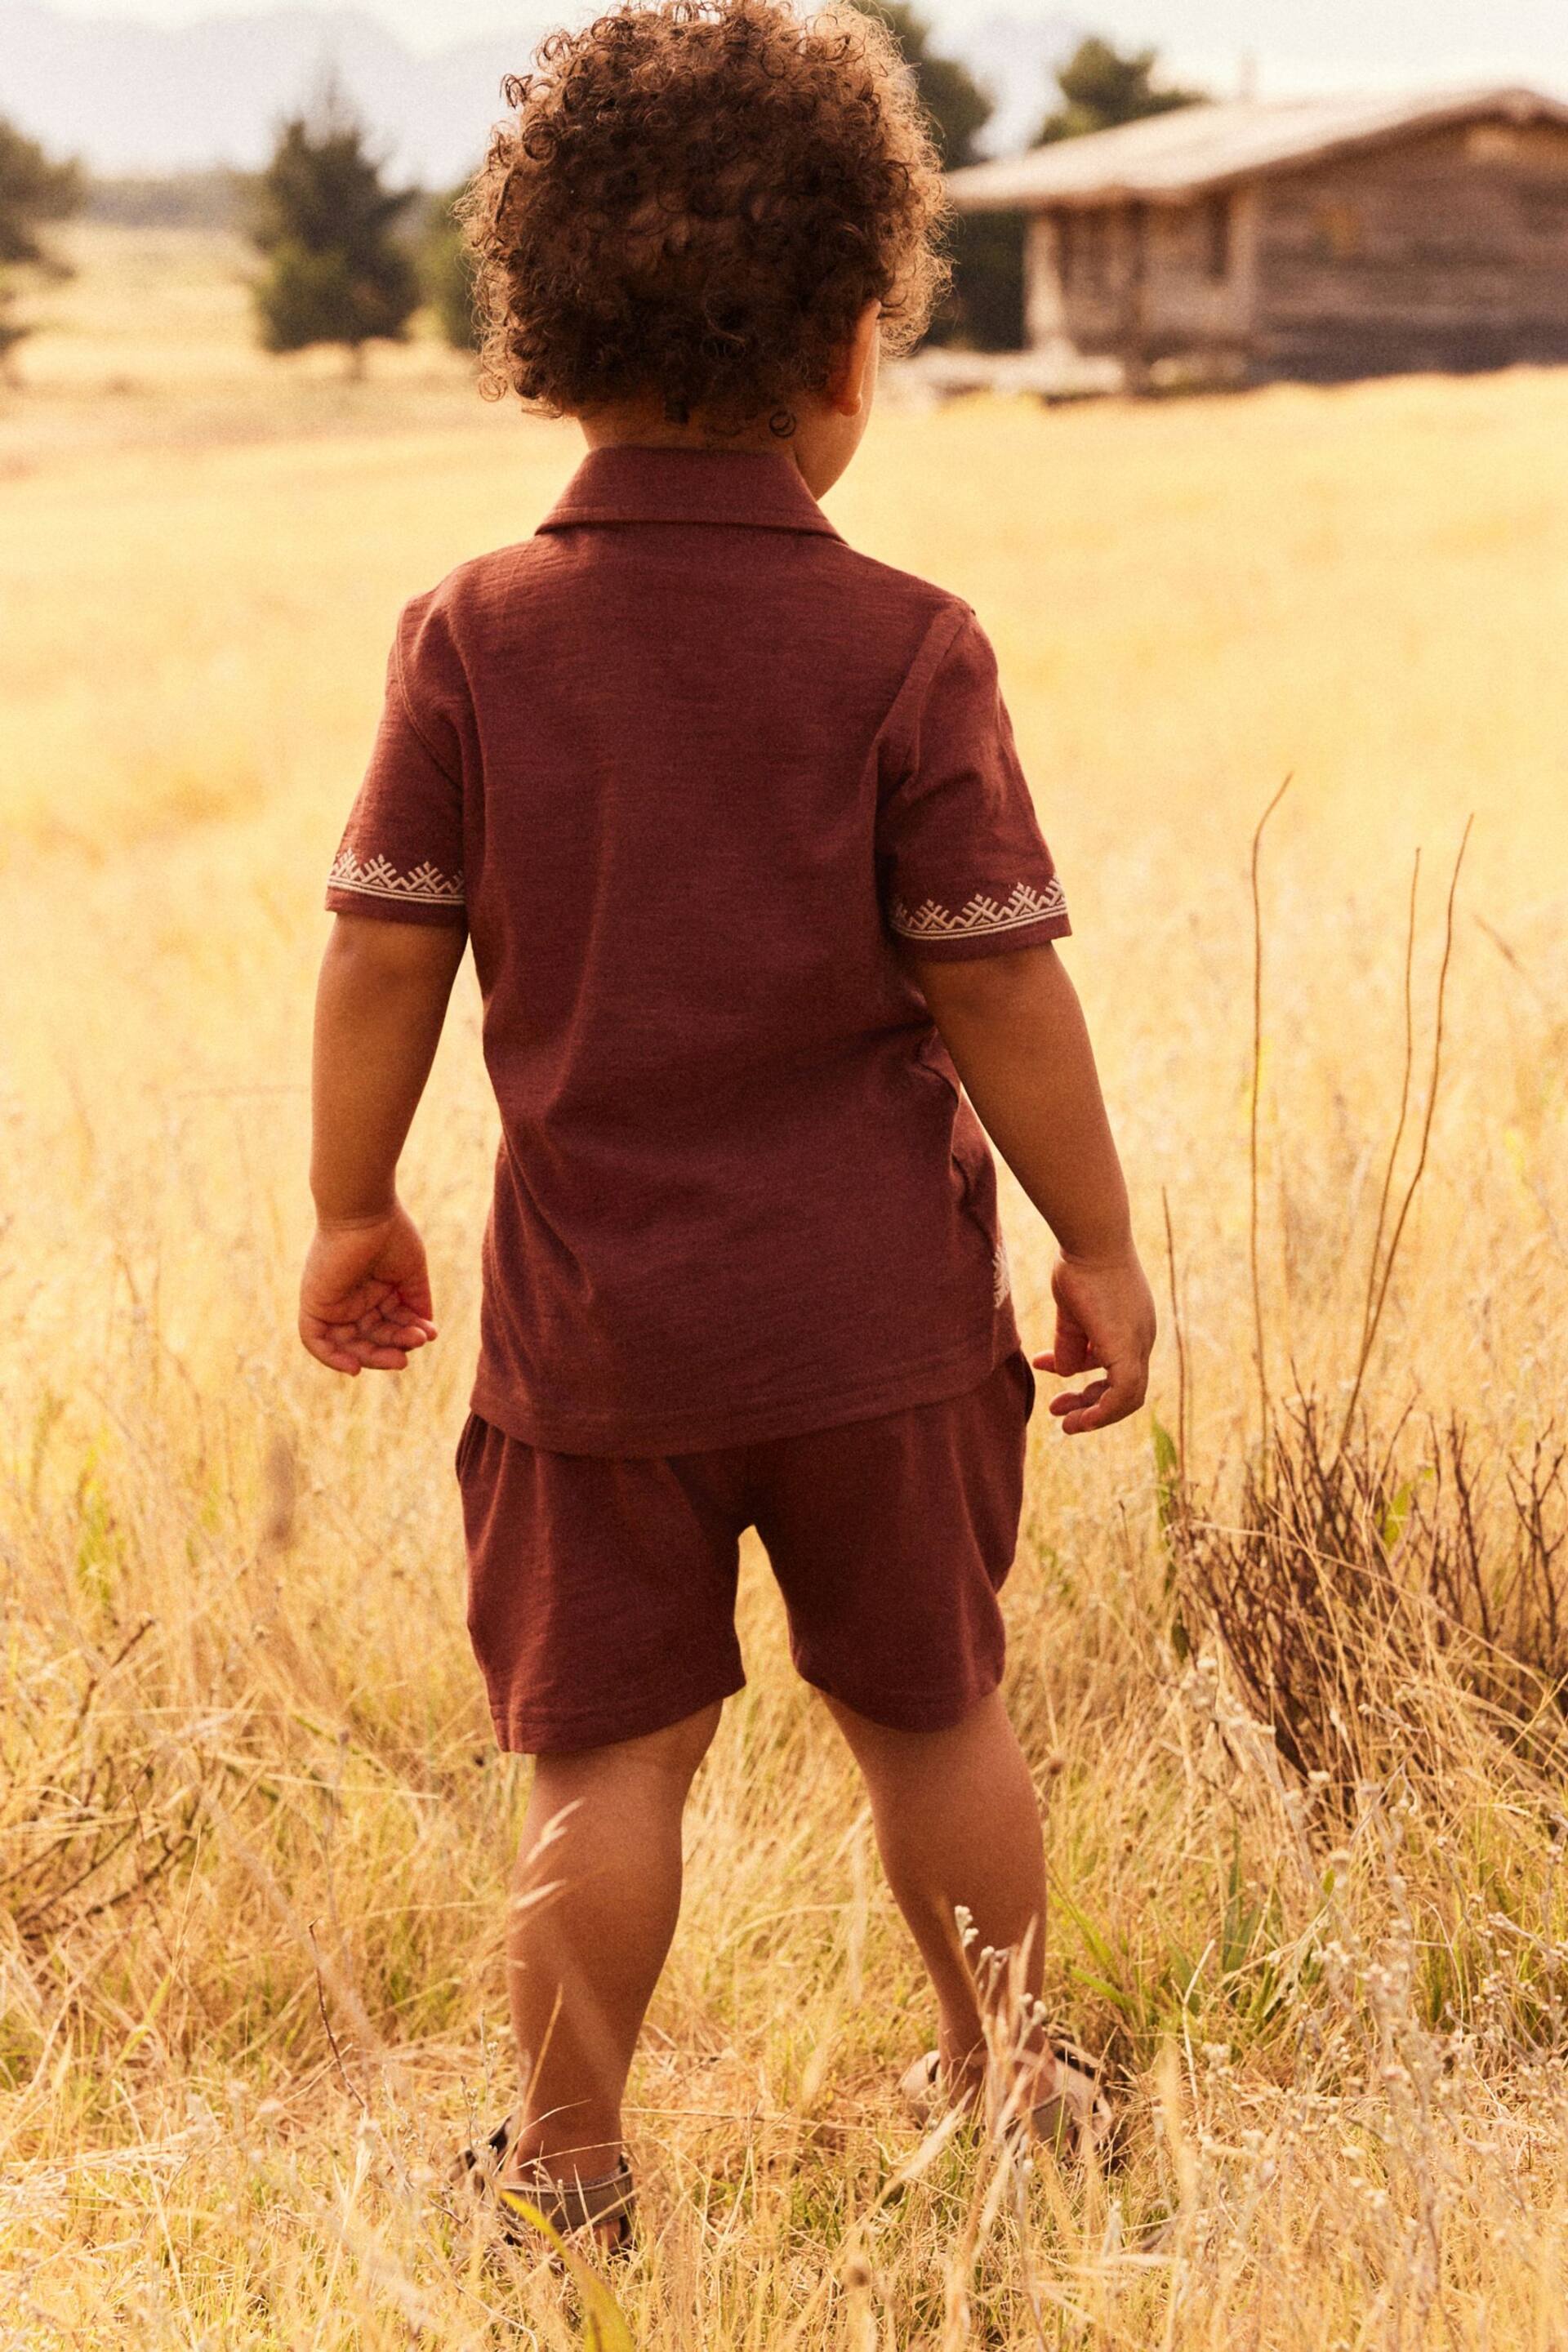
x,y
982,916
424,885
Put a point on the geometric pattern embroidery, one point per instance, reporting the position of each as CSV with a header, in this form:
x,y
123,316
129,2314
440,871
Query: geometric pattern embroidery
x,y
981,917
427,886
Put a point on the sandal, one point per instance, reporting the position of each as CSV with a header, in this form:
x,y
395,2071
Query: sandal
x,y
1075,2120
574,2208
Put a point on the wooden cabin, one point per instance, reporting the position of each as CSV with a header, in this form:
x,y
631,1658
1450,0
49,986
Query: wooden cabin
x,y
1323,238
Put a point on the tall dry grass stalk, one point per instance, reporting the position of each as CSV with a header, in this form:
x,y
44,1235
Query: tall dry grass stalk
x,y
1295,1708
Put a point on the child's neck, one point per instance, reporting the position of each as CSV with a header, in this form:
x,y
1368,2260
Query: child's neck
x,y
819,447
825,430
634,423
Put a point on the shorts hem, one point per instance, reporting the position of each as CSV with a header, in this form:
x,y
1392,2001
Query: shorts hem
x,y
519,1734
931,1711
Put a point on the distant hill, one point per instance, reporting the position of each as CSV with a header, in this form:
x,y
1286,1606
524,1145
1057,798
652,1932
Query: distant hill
x,y
154,99
146,98
214,198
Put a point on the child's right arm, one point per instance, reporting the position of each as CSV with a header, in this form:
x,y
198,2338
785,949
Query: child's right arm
x,y
1015,1030
364,1299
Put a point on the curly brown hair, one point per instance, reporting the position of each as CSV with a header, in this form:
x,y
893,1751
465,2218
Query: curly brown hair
x,y
695,201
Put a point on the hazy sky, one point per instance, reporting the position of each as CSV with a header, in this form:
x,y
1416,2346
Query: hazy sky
x,y
1297,43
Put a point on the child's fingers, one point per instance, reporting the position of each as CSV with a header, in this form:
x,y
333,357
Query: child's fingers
x,y
329,1351
1106,1401
1073,1400
375,1358
414,1296
353,1348
387,1334
1084,1360
376,1329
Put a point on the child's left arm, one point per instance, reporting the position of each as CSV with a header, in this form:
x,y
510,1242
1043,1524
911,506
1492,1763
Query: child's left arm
x,y
364,1299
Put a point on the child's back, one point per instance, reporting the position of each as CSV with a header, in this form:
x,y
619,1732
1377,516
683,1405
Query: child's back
x,y
734,818
697,761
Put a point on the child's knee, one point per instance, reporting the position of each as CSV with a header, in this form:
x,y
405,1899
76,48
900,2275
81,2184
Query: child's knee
x,y
680,1749
673,1753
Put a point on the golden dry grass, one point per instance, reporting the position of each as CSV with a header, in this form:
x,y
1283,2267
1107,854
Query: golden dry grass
x,y
248,1794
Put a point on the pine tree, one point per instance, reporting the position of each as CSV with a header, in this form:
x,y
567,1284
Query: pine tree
x,y
958,107
447,273
35,191
1103,87
986,308
338,272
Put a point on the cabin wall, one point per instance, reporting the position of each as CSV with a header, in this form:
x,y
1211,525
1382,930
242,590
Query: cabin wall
x,y
1143,281
1200,272
1450,250
1081,271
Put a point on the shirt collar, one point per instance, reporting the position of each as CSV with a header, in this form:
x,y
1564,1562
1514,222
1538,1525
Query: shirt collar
x,y
761,490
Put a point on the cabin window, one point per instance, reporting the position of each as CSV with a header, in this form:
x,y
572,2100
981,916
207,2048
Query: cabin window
x,y
1217,223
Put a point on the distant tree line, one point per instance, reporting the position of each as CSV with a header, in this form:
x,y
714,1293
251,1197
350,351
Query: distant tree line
x,y
347,259
35,192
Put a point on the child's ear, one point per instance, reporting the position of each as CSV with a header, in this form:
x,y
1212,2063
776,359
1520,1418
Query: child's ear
x,y
851,382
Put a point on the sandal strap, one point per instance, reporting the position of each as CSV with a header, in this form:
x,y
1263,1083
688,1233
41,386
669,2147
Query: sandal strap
x,y
572,2206
1077,2113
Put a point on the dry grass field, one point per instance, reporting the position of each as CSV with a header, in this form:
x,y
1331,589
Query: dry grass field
x,y
252,1833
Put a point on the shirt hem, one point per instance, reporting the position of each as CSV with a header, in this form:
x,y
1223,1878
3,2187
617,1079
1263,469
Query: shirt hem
x,y
930,1382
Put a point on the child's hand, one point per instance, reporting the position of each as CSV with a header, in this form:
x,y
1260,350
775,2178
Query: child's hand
x,y
1105,1322
364,1298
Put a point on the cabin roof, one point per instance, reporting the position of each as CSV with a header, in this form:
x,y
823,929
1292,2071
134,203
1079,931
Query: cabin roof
x,y
1169,156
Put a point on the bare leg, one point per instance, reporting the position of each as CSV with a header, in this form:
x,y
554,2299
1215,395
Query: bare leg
x,y
957,1823
596,1898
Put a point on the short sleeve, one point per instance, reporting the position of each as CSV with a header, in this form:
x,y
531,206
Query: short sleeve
x,y
963,869
401,856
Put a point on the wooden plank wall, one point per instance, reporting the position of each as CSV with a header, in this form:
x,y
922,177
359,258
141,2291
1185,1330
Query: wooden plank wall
x,y
1144,281
1450,250
1200,273
1081,282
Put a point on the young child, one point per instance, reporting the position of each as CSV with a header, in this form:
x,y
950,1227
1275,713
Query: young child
x,y
732,818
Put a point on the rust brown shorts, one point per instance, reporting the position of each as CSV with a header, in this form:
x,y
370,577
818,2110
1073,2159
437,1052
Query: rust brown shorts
x,y
601,1589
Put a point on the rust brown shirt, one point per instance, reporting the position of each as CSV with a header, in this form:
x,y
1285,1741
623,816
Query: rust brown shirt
x,y
692,770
